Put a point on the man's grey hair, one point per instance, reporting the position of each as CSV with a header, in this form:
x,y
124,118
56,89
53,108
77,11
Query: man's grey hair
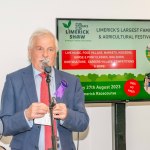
x,y
41,32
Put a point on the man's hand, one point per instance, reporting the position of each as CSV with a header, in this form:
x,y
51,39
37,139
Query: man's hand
x,y
60,111
36,110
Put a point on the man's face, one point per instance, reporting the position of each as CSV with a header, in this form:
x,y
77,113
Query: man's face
x,y
43,48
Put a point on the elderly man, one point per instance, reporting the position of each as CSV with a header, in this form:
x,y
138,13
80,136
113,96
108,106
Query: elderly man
x,y
23,105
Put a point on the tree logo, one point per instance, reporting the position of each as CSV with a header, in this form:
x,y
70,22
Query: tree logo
x,y
67,25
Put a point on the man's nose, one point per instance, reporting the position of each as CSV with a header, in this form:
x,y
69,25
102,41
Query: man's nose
x,y
45,53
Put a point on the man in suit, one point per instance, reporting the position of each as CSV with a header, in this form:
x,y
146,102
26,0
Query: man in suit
x,y
21,104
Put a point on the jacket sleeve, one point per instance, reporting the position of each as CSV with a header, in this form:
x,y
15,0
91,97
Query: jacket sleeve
x,y
77,119
12,117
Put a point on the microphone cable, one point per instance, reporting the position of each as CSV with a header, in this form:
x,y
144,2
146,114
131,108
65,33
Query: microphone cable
x,y
78,141
1,128
1,135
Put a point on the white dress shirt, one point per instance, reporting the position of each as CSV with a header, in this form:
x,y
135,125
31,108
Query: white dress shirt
x,y
38,80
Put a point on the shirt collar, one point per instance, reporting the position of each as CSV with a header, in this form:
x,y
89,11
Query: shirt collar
x,y
36,72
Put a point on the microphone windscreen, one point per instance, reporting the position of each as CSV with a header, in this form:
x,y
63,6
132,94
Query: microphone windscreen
x,y
47,69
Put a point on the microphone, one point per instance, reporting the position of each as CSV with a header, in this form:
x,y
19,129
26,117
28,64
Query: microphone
x,y
47,69
45,66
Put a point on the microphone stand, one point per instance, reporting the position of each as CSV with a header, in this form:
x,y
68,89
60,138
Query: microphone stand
x,y
51,105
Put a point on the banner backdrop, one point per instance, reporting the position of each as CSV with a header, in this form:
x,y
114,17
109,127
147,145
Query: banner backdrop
x,y
110,57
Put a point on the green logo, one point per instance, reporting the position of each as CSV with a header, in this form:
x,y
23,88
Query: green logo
x,y
67,25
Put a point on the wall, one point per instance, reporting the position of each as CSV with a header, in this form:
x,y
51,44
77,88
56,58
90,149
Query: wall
x,y
18,19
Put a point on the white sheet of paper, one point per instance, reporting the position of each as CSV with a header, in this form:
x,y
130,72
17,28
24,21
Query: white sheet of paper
x,y
44,120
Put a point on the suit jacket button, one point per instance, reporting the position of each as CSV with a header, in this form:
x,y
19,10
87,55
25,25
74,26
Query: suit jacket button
x,y
38,126
36,147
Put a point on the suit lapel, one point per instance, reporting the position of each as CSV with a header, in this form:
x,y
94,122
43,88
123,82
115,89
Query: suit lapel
x,y
29,82
58,79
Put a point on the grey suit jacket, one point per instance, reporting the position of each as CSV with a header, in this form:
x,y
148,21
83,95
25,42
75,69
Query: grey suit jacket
x,y
18,94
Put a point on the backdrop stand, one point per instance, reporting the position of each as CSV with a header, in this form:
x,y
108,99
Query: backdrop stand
x,y
119,126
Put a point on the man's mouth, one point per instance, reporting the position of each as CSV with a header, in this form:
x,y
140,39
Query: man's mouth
x,y
44,62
